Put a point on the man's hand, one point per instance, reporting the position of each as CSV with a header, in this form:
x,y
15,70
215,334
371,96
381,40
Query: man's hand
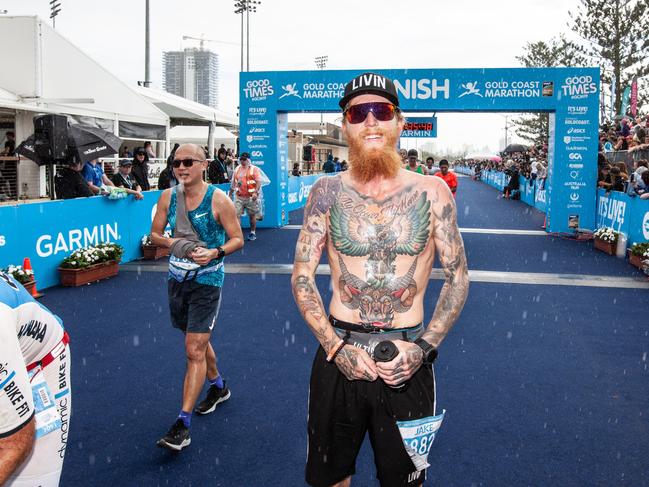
x,y
138,195
402,367
254,197
203,256
356,364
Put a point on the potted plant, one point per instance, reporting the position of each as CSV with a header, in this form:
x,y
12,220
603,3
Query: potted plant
x,y
23,276
151,251
637,253
90,264
606,240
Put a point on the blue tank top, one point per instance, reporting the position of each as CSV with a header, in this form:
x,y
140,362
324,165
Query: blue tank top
x,y
208,230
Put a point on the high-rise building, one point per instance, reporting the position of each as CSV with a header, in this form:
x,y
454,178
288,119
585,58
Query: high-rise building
x,y
192,74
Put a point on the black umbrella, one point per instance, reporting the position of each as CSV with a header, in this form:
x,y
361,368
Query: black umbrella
x,y
84,142
515,148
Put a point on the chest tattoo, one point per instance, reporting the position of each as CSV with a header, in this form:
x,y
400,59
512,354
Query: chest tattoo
x,y
379,232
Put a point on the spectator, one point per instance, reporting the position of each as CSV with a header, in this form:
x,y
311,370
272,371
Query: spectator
x,y
148,148
621,144
404,156
337,164
125,152
603,176
430,166
141,169
641,187
10,144
534,171
512,190
217,172
413,162
296,169
246,184
625,130
448,176
123,179
613,181
343,165
328,166
69,183
623,170
94,175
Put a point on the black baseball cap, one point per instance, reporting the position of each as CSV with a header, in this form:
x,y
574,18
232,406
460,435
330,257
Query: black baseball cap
x,y
125,162
413,153
244,155
370,83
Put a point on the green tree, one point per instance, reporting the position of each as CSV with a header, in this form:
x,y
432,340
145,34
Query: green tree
x,y
615,36
534,128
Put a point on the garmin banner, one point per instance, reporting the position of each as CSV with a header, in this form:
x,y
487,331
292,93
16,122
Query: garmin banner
x,y
420,127
571,95
50,231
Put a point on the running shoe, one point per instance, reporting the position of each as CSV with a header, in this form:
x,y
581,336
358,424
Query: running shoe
x,y
176,438
252,236
215,396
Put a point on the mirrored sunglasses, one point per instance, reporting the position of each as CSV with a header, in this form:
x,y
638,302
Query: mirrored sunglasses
x,y
382,111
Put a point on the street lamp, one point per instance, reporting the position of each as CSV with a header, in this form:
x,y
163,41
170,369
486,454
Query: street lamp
x,y
55,7
321,63
246,6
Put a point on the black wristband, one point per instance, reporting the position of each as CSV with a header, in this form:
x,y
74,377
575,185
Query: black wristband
x,y
430,352
221,252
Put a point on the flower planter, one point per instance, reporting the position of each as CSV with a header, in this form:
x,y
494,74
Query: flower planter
x,y
606,247
79,277
635,260
153,252
30,286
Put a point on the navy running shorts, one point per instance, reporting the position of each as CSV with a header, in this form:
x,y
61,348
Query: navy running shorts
x,y
342,411
193,306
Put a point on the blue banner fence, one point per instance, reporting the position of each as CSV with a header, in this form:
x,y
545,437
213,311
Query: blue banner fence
x,y
619,211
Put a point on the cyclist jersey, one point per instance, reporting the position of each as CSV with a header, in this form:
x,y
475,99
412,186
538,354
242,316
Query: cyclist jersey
x,y
208,230
28,332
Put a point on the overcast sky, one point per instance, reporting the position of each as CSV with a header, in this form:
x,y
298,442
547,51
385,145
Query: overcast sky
x,y
287,35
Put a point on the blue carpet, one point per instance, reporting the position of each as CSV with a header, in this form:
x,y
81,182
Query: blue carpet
x,y
543,385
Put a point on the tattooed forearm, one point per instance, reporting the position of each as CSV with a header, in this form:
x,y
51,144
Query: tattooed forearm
x,y
312,309
453,260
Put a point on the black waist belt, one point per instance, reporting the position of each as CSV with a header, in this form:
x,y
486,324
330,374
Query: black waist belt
x,y
406,333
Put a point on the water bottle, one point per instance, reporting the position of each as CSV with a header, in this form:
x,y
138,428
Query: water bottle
x,y
384,352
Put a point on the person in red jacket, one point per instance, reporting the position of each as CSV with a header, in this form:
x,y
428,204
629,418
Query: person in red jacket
x,y
448,176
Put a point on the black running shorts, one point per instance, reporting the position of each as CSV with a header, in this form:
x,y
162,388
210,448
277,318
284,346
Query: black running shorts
x,y
342,411
193,306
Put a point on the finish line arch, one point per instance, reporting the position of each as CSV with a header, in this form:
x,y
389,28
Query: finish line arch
x,y
569,95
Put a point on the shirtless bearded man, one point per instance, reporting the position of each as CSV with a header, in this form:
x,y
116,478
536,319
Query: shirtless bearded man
x,y
381,226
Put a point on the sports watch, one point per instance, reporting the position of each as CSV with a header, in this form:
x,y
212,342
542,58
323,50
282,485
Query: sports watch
x,y
221,252
430,352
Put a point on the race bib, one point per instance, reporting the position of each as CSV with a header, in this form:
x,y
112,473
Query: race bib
x,y
47,417
418,436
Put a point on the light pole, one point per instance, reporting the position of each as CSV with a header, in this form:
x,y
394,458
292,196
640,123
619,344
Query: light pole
x,y
321,63
507,126
55,7
246,6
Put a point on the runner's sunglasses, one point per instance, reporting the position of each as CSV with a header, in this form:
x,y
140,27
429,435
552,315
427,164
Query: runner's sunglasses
x,y
185,162
382,111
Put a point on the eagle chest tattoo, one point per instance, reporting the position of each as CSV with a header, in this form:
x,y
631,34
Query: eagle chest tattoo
x,y
379,232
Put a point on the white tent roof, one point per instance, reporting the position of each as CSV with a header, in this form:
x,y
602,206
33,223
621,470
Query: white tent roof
x,y
182,110
185,134
50,74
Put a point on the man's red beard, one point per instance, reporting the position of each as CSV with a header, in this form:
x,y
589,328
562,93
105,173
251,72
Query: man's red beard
x,y
368,163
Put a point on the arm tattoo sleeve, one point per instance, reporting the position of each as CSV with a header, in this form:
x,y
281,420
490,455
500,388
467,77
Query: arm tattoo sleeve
x,y
310,245
453,260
